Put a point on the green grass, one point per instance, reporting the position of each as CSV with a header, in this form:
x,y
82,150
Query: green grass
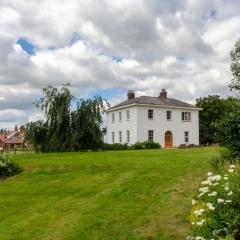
x,y
117,195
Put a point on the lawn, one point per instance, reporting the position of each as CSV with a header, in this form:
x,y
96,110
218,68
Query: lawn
x,y
144,194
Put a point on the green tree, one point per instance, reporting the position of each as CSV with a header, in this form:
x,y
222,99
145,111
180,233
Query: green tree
x,y
209,116
235,66
65,129
56,106
36,134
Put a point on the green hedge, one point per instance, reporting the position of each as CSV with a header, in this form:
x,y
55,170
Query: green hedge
x,y
136,146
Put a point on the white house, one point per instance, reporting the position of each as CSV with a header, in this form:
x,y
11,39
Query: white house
x,y
167,121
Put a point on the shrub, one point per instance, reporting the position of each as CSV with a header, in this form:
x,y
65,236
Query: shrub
x,y
215,212
115,146
224,156
150,145
8,167
137,146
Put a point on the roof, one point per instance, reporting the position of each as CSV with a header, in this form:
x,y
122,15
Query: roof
x,y
2,137
15,140
147,100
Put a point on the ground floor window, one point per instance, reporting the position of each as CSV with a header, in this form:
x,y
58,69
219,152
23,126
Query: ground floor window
x,y
120,136
150,135
186,137
128,136
113,140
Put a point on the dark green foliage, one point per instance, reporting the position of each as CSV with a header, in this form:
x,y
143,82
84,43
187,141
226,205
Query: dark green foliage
x,y
235,66
230,132
65,129
214,110
36,134
8,167
115,146
136,146
151,145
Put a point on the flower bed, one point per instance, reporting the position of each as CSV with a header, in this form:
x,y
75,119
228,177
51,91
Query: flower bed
x,y
215,210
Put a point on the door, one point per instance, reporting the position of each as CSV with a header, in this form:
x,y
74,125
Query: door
x,y
168,139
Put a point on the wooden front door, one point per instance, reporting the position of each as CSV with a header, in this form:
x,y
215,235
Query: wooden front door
x,y
168,139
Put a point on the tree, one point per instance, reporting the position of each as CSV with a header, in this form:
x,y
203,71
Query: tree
x,y
56,106
36,134
230,132
65,129
235,66
212,110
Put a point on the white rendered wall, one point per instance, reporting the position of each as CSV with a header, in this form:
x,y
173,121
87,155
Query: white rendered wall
x,y
123,125
160,125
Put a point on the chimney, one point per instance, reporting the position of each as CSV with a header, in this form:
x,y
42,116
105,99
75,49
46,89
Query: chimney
x,y
163,94
130,94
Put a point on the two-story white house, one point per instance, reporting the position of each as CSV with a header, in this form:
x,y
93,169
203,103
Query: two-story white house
x,y
168,121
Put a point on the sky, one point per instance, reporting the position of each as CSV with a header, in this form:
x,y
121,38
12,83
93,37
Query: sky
x,y
105,47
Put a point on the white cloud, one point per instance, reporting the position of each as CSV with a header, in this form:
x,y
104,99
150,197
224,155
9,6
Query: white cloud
x,y
144,45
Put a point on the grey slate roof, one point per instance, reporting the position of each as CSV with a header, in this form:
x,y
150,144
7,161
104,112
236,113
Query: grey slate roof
x,y
171,102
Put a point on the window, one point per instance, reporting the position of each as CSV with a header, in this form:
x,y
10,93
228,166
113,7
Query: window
x,y
120,116
128,136
169,115
120,136
186,116
128,114
150,135
113,140
150,113
186,137
113,118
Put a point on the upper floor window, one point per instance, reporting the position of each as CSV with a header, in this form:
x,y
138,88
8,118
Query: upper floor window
x,y
169,115
128,136
113,137
186,137
120,116
150,114
150,135
128,114
186,116
113,118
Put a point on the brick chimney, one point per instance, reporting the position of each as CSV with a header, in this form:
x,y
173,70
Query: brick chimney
x,y
130,94
163,94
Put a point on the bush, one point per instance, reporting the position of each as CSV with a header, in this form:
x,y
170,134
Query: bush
x,y
215,212
8,167
224,156
150,145
115,146
137,146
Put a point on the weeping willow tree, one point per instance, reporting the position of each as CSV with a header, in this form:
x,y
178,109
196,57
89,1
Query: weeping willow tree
x,y
86,124
69,130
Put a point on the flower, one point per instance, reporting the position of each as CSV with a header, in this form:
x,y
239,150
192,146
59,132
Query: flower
x,y
212,194
226,188
231,170
210,206
220,200
193,202
199,212
232,166
230,193
209,173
